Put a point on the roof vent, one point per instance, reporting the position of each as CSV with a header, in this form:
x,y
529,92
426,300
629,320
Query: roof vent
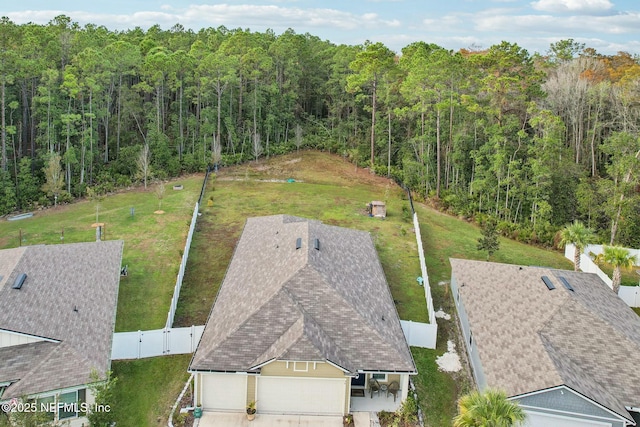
x,y
547,282
298,242
19,281
316,244
566,284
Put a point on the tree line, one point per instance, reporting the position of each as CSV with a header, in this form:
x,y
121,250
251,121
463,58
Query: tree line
x,y
531,141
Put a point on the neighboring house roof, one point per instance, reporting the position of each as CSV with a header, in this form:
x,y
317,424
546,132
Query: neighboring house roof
x,y
532,338
68,298
328,304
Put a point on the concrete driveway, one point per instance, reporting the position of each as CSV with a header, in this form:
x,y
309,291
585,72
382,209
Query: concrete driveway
x,y
224,419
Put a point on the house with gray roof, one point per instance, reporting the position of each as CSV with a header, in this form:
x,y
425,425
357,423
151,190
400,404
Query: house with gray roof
x,y
304,323
558,342
57,316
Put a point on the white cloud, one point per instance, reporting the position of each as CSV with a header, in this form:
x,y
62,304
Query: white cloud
x,y
201,16
573,6
627,23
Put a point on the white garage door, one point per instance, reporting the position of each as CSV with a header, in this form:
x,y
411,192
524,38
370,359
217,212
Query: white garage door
x,y
536,419
226,392
282,395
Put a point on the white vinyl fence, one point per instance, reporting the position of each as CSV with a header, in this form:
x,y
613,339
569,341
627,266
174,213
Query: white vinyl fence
x,y
428,332
586,264
418,334
159,342
629,294
183,265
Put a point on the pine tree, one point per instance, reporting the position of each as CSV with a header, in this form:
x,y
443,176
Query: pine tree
x,y
489,241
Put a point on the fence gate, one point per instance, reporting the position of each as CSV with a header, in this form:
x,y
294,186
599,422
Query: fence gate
x,y
158,342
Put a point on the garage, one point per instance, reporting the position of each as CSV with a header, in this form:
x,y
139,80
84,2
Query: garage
x,y
313,396
226,392
536,419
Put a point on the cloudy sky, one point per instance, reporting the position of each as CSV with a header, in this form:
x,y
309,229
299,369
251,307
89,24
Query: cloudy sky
x,y
608,26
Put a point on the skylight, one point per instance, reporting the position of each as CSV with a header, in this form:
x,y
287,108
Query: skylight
x,y
19,281
547,282
566,284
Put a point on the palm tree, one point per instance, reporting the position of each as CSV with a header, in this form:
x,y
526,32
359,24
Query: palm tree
x,y
619,258
579,236
490,408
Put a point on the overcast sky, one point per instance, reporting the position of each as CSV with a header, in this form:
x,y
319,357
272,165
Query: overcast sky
x,y
608,26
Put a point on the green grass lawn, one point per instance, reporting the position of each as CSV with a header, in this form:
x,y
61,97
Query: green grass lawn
x,y
147,388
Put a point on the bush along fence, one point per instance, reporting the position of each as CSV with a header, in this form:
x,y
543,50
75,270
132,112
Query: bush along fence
x,y
629,294
421,334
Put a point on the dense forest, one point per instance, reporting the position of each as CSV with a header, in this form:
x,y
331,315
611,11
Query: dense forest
x,y
534,141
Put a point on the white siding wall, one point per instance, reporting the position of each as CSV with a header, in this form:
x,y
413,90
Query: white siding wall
x,y
8,339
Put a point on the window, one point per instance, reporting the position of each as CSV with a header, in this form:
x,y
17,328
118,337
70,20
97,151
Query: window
x,y
379,377
69,404
47,405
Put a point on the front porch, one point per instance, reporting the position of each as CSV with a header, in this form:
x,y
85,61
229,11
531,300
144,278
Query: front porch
x,y
379,402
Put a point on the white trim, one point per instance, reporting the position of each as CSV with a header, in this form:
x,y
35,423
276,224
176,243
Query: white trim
x,y
6,331
564,387
305,369
538,408
346,371
262,364
303,378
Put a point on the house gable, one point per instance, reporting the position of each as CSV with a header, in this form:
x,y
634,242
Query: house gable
x,y
10,338
301,369
563,401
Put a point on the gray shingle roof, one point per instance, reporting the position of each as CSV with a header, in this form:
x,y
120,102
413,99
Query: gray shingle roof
x,y
530,338
69,296
279,302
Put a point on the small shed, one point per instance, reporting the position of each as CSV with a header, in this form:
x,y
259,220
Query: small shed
x,y
378,209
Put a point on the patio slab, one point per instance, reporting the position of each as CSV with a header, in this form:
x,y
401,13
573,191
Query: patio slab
x,y
228,419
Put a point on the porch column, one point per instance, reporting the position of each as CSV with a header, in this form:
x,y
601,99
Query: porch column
x,y
404,387
196,389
